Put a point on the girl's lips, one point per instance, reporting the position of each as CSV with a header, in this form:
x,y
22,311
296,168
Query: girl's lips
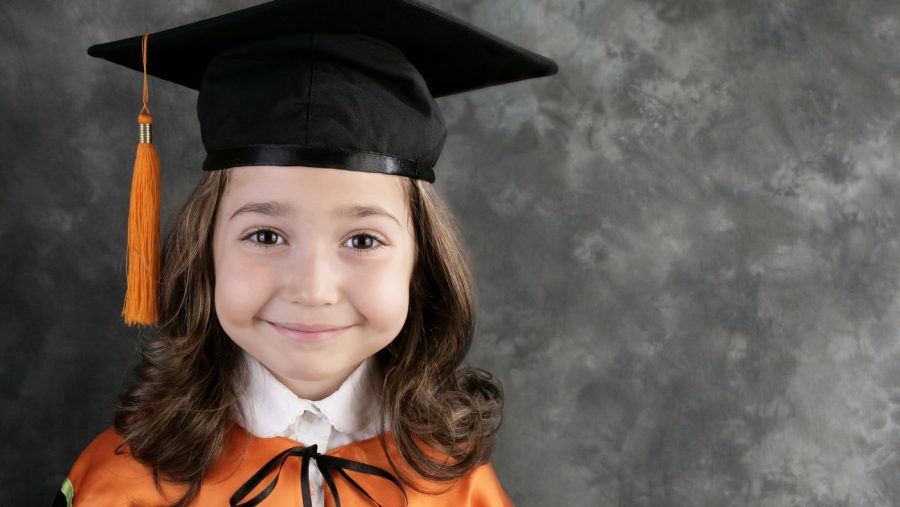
x,y
317,333
308,328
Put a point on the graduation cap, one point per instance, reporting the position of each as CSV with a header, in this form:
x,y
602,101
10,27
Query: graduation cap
x,y
347,84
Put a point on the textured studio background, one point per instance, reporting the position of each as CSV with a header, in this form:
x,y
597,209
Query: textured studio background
x,y
687,243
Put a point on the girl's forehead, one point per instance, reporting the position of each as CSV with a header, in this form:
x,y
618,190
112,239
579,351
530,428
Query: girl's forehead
x,y
313,179
311,188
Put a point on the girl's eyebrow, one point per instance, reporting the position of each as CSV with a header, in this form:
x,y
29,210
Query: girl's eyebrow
x,y
280,209
362,211
270,208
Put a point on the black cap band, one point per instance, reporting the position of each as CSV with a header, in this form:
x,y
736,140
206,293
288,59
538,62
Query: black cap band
x,y
286,155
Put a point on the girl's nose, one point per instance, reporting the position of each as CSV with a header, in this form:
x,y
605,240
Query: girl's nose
x,y
311,278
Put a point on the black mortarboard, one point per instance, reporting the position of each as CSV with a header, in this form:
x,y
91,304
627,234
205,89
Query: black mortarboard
x,y
331,83
346,84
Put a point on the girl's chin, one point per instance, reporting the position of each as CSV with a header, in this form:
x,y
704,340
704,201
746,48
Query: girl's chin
x,y
311,387
314,373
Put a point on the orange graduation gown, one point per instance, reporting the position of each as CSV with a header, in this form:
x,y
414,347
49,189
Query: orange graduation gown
x,y
100,477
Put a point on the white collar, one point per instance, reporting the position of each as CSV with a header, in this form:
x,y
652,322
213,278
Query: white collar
x,y
271,407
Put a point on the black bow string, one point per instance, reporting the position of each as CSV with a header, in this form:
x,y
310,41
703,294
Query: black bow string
x,y
327,465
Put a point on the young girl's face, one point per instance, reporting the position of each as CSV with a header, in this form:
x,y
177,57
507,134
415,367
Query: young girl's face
x,y
308,247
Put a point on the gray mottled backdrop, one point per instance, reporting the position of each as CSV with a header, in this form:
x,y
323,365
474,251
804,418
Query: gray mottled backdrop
x,y
687,243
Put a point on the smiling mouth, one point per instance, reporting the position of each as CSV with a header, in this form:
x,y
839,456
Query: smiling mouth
x,y
317,333
309,328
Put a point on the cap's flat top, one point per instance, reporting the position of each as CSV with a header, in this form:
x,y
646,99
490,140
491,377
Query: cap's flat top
x,y
452,55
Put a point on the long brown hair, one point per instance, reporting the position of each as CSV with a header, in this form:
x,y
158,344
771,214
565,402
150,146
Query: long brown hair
x,y
176,415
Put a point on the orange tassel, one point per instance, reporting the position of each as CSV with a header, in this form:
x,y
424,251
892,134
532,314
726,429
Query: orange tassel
x,y
143,223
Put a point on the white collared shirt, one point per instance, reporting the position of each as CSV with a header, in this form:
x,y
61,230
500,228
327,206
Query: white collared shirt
x,y
347,415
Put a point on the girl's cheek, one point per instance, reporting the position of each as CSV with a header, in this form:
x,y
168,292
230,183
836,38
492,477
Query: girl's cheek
x,y
383,297
240,284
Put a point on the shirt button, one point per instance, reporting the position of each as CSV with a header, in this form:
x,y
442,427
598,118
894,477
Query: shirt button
x,y
309,416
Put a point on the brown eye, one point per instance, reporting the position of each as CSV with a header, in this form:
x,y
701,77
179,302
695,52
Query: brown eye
x,y
267,237
263,238
362,241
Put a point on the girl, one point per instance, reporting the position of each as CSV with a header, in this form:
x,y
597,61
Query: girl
x,y
315,304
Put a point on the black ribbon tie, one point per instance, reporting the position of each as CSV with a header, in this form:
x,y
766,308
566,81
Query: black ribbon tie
x,y
327,464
